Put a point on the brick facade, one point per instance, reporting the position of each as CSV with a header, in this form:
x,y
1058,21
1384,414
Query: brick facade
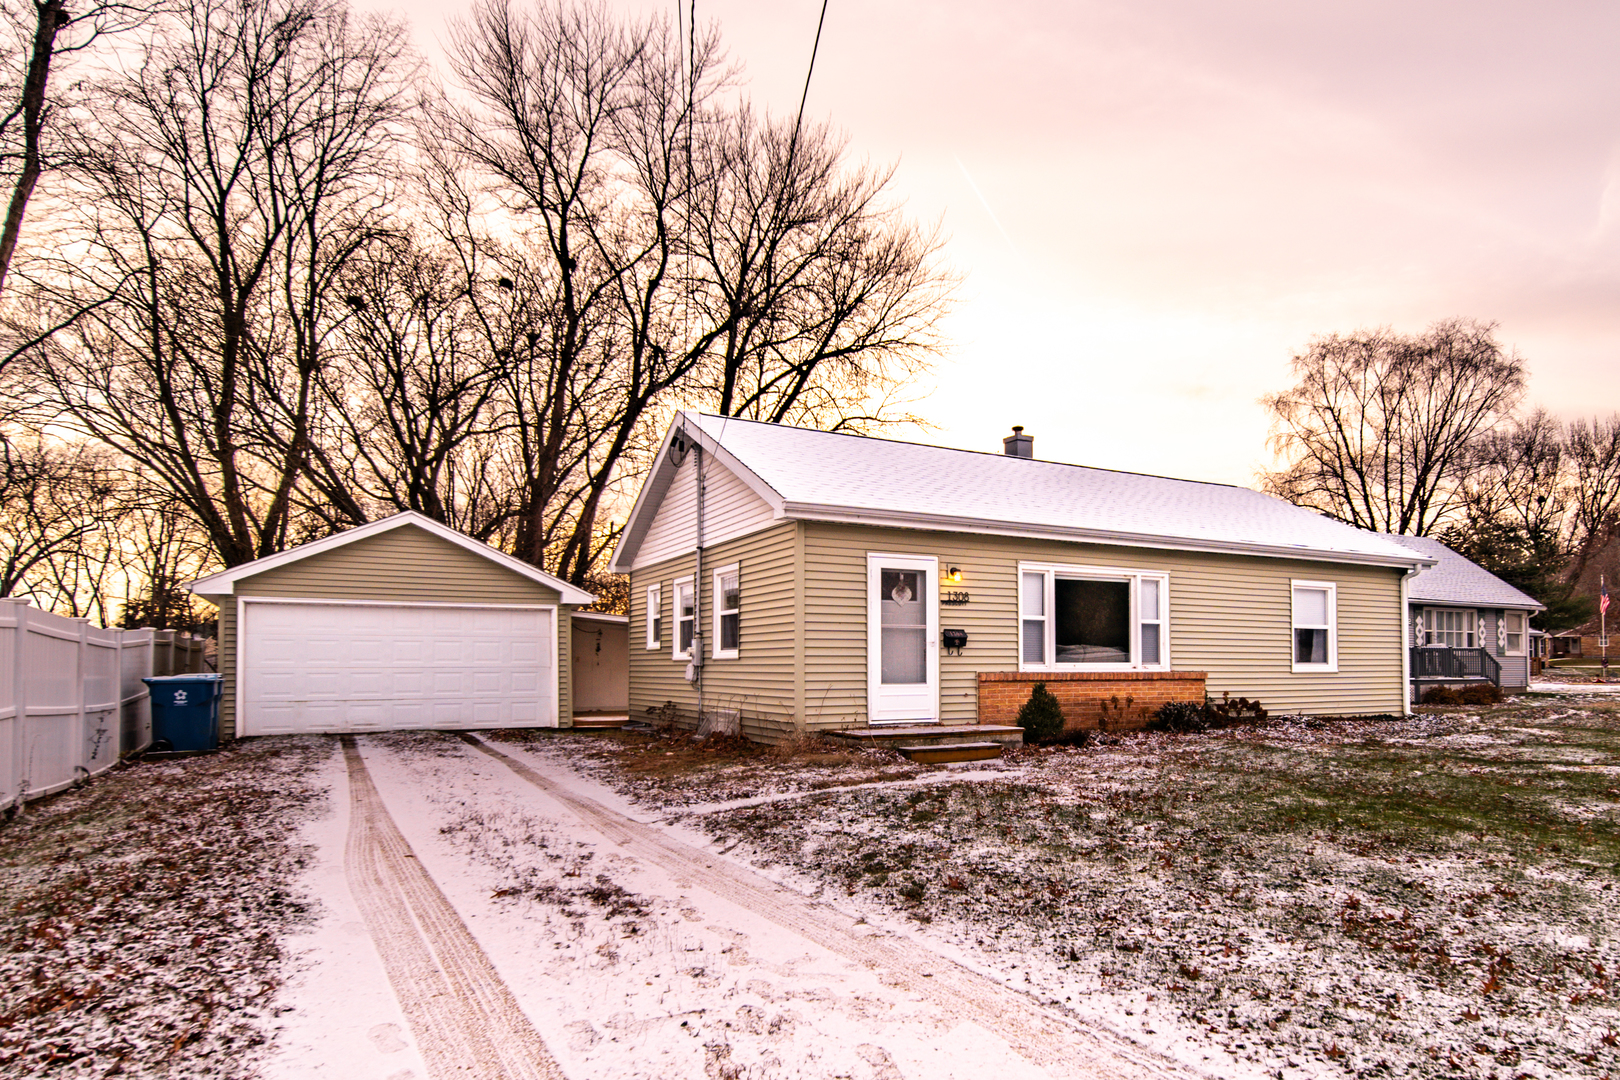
x,y
1111,700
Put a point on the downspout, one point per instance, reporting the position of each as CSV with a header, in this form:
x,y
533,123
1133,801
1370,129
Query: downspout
x,y
697,587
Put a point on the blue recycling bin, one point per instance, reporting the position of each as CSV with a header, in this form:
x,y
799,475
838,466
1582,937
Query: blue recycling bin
x,y
185,711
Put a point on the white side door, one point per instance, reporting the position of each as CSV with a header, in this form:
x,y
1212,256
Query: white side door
x,y
902,639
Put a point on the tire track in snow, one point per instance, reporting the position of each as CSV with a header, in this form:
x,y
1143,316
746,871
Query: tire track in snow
x,y
1061,1046
466,1022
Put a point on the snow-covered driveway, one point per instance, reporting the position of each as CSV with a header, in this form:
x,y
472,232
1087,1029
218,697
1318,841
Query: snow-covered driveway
x,y
488,912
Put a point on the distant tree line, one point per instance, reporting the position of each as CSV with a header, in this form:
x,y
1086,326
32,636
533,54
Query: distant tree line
x,y
1426,435
277,282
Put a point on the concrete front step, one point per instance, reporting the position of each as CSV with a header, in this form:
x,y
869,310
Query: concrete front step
x,y
945,753
929,734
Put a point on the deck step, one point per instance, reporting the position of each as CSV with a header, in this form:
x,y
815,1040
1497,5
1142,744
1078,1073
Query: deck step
x,y
944,753
600,723
929,734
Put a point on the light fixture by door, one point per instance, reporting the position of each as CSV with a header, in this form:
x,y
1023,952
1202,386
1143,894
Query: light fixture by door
x,y
954,576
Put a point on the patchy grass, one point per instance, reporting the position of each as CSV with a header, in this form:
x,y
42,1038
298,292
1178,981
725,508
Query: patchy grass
x,y
1436,896
140,917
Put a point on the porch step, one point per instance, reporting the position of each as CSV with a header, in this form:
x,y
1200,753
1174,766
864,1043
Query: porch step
x,y
944,753
600,723
929,734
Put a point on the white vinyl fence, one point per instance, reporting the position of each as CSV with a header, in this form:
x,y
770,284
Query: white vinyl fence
x,y
71,696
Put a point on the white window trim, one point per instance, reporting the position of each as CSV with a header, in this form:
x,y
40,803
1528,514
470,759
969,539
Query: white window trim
x,y
1094,573
675,623
1524,633
1332,588
655,611
716,612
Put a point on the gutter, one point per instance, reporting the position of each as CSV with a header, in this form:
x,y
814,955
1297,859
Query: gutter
x,y
858,516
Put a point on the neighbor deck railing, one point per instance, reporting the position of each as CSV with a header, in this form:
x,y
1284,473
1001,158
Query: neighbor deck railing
x,y
1438,664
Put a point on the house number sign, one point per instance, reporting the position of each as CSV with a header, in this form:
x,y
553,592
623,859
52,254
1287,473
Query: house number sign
x,y
953,596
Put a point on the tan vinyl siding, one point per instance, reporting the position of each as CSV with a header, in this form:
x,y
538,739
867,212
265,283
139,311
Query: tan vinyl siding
x,y
761,681
403,565
730,509
1230,616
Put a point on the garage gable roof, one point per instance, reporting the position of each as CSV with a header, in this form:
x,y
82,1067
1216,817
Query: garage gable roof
x,y
224,582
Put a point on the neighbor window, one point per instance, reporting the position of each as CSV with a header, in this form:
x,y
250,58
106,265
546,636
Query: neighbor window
x,y
1450,628
685,618
1513,637
1316,646
655,616
727,612
1075,616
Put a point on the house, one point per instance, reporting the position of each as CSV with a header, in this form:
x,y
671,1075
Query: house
x,y
1583,642
800,580
1465,624
399,623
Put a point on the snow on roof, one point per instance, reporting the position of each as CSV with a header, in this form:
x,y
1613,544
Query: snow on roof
x,y
826,476
1457,580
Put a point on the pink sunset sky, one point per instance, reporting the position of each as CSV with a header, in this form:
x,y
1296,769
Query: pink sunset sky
x,y
1154,203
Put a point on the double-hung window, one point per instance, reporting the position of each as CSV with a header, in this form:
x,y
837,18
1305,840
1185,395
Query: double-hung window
x,y
655,616
1091,618
1315,626
685,618
727,612
1451,628
1513,634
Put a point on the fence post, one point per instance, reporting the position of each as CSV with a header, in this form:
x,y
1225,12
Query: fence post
x,y
14,661
82,736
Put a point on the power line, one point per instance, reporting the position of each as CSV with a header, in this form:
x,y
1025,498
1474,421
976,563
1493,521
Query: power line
x,y
806,95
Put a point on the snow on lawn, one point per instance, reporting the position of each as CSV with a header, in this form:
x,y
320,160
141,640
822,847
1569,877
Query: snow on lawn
x,y
1429,897
141,917
630,972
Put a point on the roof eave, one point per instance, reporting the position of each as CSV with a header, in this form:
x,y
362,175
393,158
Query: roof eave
x,y
652,493
943,523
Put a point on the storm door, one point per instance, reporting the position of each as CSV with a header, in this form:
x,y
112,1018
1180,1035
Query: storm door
x,y
902,635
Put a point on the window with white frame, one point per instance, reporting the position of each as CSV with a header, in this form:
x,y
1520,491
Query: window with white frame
x,y
1515,633
1315,618
655,616
727,612
1450,628
685,618
1091,617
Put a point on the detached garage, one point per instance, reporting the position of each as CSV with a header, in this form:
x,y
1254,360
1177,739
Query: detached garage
x,y
401,623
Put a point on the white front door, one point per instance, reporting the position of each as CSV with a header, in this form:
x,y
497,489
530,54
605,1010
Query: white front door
x,y
902,639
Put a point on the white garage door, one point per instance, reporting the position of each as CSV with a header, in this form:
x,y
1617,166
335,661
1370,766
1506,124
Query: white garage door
x,y
314,667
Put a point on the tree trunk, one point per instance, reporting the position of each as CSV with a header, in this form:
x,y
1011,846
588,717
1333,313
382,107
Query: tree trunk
x,y
51,19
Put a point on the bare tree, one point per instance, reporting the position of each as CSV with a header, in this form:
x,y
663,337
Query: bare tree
x,y
231,179
692,254
56,501
1594,464
1380,428
44,30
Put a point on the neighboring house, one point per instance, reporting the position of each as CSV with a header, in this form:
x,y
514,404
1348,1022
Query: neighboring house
x,y
806,580
399,623
1585,641
1481,622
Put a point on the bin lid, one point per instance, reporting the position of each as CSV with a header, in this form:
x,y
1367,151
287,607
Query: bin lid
x,y
201,676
